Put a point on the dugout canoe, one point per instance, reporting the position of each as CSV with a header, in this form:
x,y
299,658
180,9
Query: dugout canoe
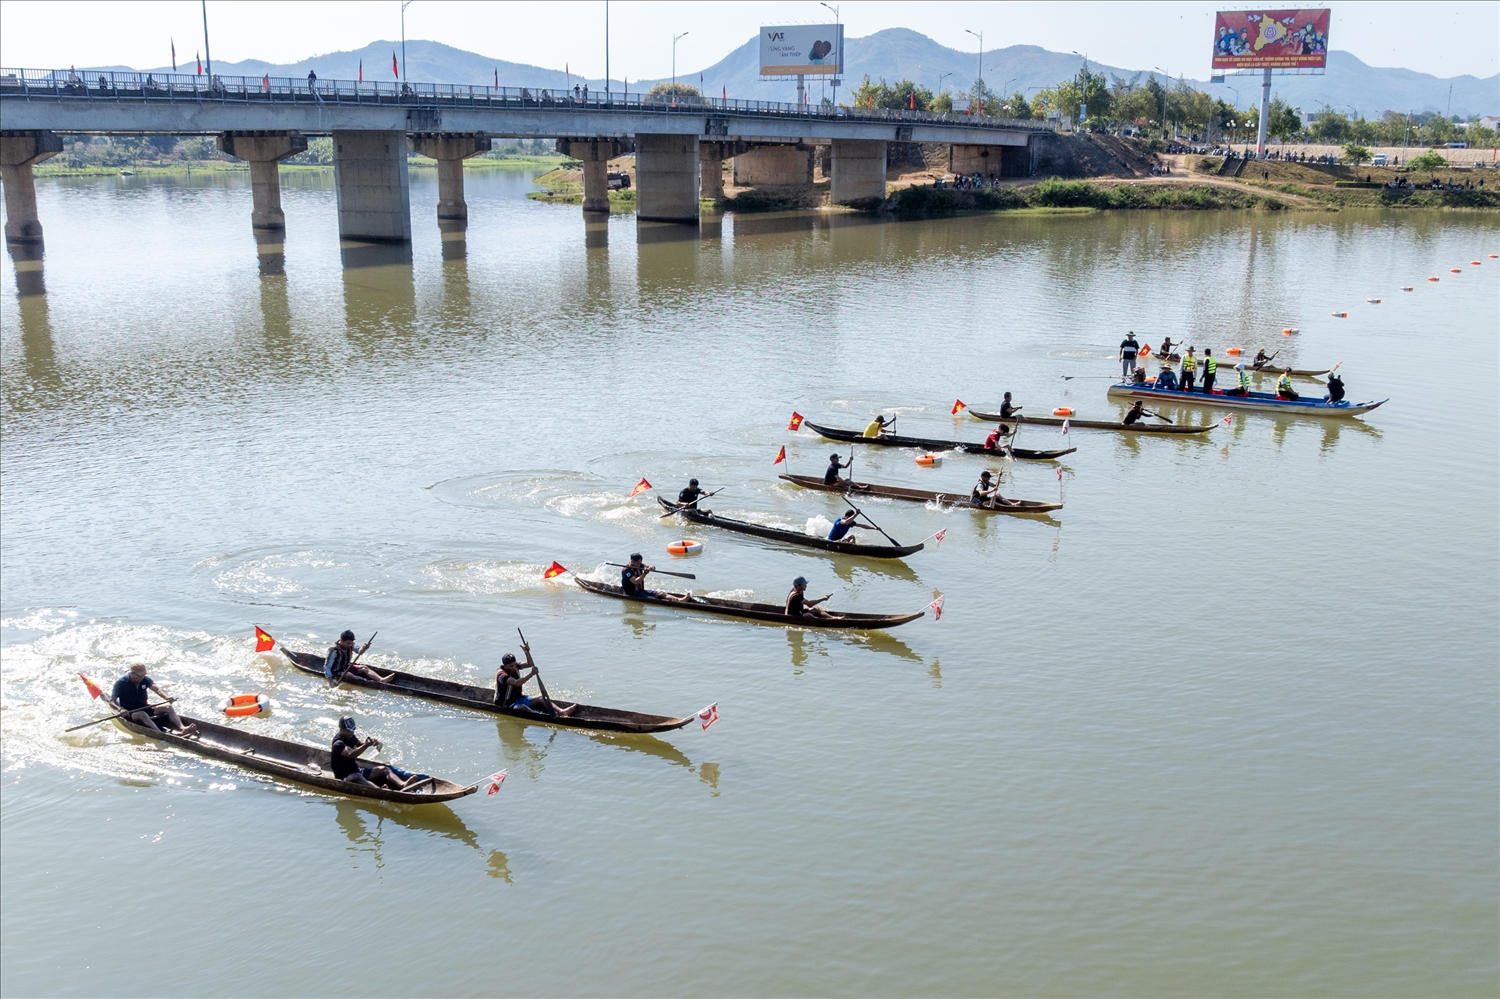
x,y
791,537
1022,507
896,440
771,613
1265,402
1074,424
293,761
588,716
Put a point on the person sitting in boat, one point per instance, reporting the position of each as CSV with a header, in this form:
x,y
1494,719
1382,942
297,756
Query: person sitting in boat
x,y
798,604
835,465
1136,412
986,493
1243,388
345,760
691,495
1261,359
510,684
1284,386
129,695
878,427
1165,379
1335,389
999,439
340,661
1006,408
844,525
633,580
1138,376
1189,371
1165,350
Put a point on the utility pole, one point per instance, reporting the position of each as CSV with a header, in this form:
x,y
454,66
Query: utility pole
x,y
838,39
210,59
405,5
606,50
674,64
979,35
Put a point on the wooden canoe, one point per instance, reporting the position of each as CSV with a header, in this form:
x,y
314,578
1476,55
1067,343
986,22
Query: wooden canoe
x,y
1266,402
772,613
1076,424
896,440
1022,507
587,716
293,761
791,537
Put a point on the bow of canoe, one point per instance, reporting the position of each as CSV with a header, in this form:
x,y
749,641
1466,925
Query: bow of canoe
x,y
770,613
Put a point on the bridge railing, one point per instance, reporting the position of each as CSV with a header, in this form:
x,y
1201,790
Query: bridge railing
x,y
90,85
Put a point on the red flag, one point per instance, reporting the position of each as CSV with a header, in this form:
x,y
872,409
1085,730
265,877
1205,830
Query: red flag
x,y
200,63
780,455
1059,473
1228,420
265,83
395,68
94,690
497,77
640,487
726,93
913,106
939,536
174,54
495,780
361,71
263,641
937,608
796,421
709,715
957,405
555,569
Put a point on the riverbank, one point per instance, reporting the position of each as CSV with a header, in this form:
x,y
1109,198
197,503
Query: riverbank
x,y
564,186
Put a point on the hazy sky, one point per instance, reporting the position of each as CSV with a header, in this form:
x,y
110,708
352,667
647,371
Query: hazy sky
x,y
1442,38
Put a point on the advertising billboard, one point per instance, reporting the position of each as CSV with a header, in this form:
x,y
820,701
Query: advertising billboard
x,y
1271,39
802,50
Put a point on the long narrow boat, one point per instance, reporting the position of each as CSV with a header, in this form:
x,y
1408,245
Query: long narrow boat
x,y
791,537
756,612
1022,507
895,440
1075,424
483,699
1265,402
293,761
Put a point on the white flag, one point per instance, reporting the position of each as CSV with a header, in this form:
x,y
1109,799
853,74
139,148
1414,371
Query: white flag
x,y
709,715
495,780
937,608
1065,428
939,536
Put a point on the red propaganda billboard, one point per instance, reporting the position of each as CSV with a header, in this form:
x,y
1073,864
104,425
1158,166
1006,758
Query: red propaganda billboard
x,y
1271,39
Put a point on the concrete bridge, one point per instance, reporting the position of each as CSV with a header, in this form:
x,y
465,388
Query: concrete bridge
x,y
680,143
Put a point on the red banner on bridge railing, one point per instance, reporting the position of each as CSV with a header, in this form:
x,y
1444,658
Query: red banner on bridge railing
x,y
1271,39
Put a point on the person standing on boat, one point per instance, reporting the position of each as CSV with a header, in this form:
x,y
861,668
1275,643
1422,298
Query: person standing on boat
x,y
1243,388
877,427
510,686
1189,371
633,581
1284,388
340,661
798,604
1129,348
1007,409
1210,368
129,695
844,525
345,760
1335,389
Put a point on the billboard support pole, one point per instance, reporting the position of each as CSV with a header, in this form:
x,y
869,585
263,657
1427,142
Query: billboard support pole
x,y
801,85
1265,112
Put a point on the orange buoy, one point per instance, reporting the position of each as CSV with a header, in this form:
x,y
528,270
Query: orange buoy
x,y
1407,288
1474,263
1432,279
1062,411
687,546
1373,301
1290,330
1342,315
930,460
1234,350
245,705
1495,256
1454,270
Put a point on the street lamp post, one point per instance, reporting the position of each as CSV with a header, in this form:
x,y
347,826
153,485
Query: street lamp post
x,y
941,78
405,5
979,35
838,40
206,56
674,64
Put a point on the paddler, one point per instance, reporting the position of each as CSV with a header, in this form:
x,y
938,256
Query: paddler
x,y
1335,389
691,495
1164,352
510,684
345,760
798,604
1284,388
1210,367
633,580
1261,359
1136,412
1189,371
986,493
998,440
877,427
1008,410
340,661
1243,388
129,695
835,466
845,524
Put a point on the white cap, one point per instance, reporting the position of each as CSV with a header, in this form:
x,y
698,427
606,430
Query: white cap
x,y
1240,366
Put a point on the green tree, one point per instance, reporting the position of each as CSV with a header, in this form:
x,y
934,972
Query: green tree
x,y
671,90
900,96
942,103
1355,155
1284,121
1014,106
1331,127
1429,162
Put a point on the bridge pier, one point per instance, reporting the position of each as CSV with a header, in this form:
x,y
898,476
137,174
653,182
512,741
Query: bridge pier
x,y
370,182
450,149
711,170
666,178
999,161
858,170
263,151
19,151
781,165
595,155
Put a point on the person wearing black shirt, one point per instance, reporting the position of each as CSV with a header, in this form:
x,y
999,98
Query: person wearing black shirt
x,y
633,582
345,760
831,474
1129,347
510,687
798,604
689,496
129,695
1335,388
1007,409
340,660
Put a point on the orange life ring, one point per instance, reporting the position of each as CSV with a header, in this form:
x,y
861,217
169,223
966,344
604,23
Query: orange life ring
x,y
245,705
1234,350
930,460
687,546
1062,411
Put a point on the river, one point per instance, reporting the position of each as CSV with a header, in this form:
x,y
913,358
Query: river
x,y
1226,724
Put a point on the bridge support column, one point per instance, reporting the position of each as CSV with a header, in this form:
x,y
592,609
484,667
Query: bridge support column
x,y
595,155
666,177
369,176
263,151
19,151
858,170
711,171
450,150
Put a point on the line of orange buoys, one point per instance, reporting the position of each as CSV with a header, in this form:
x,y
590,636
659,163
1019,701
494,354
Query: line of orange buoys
x,y
1405,287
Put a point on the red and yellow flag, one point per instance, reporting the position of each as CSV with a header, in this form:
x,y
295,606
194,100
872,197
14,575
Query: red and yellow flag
x,y
395,69
263,641
796,421
780,455
555,569
640,487
94,690
958,404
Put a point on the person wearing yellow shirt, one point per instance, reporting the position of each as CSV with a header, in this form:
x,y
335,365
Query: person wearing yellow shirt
x,y
878,426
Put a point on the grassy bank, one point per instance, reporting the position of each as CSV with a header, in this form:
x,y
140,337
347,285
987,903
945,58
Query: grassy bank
x,y
930,202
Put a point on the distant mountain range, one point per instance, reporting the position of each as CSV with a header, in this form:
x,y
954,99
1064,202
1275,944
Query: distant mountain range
x,y
898,53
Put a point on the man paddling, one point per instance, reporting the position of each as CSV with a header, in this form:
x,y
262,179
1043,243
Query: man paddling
x,y
129,695
844,525
345,760
1136,412
510,684
633,582
798,604
340,662
998,440
1007,409
986,493
1189,371
878,427
1261,359
1164,352
1284,388
691,495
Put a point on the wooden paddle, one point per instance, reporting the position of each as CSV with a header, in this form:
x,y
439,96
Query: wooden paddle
x,y
685,506
1147,412
872,523
664,572
117,714
545,696
339,681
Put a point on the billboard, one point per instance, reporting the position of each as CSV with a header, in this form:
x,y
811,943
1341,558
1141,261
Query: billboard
x,y
802,50
1271,39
